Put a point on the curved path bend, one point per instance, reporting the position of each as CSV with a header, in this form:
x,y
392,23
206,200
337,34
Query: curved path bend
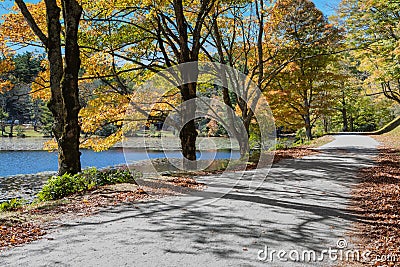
x,y
301,206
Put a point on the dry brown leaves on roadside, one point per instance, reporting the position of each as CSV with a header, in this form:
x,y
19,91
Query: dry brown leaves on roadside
x,y
293,153
377,199
186,182
16,232
32,220
19,233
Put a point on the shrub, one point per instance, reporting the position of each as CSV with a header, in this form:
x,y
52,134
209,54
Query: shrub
x,y
281,144
58,187
20,131
255,138
302,143
254,155
12,204
115,176
301,136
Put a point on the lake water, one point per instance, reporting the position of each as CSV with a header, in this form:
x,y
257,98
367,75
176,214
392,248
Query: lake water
x,y
30,162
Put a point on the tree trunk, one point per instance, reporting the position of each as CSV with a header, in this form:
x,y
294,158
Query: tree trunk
x,y
244,147
326,125
11,134
308,127
344,113
64,103
351,124
69,157
188,134
345,121
243,142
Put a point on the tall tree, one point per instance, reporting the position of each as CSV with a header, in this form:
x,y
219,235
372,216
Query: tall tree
x,y
27,67
151,38
303,87
373,29
17,100
60,29
348,88
6,67
242,40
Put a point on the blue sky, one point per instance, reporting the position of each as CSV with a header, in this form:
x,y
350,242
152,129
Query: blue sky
x,y
326,6
4,6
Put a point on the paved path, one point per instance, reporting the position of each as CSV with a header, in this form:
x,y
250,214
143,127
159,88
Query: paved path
x,y
300,206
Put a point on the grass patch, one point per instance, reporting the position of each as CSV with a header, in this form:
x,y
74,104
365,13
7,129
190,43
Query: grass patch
x,y
285,143
32,133
390,139
26,131
318,141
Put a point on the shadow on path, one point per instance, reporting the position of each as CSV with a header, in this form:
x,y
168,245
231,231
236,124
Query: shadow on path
x,y
301,204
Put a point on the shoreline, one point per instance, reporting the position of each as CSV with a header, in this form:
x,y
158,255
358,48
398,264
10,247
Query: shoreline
x,y
149,143
22,144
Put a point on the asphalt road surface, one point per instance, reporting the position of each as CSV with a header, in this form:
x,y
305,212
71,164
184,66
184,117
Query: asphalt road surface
x,y
300,209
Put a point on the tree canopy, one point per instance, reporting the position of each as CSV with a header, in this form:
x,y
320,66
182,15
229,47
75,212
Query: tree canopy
x,y
317,73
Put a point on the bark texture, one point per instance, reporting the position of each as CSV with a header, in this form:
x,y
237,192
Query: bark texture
x,y
64,102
